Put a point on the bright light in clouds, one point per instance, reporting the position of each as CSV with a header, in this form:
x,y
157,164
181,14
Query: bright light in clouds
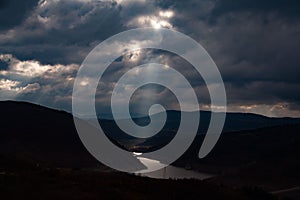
x,y
13,86
152,21
42,3
117,1
6,84
30,76
32,68
167,14
160,24
134,55
160,20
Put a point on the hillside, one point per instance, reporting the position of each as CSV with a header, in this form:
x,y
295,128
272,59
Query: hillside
x,y
38,138
43,135
41,157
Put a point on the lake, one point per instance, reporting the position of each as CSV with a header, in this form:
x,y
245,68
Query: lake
x,y
171,172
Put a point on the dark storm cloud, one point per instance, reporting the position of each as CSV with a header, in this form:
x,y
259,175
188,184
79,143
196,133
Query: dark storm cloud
x,y
254,43
3,65
257,51
62,31
287,8
260,52
14,12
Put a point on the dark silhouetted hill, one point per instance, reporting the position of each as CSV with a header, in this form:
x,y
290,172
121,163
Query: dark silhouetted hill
x,y
35,140
41,135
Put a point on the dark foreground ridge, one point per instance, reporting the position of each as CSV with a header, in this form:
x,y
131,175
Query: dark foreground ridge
x,y
42,157
22,180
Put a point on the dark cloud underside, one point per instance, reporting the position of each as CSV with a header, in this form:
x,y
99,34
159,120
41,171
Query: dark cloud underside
x,y
288,8
14,12
255,44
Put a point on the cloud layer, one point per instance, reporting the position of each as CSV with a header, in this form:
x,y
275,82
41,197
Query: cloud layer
x,y
254,43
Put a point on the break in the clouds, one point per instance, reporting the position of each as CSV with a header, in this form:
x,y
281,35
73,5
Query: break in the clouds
x,y
29,80
254,43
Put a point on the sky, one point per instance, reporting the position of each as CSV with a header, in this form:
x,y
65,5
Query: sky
x,y
254,43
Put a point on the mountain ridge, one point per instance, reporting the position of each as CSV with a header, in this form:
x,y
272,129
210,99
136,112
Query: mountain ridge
x,y
30,128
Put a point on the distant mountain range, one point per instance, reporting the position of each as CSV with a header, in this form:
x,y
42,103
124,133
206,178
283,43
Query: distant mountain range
x,y
254,150
49,136
234,121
